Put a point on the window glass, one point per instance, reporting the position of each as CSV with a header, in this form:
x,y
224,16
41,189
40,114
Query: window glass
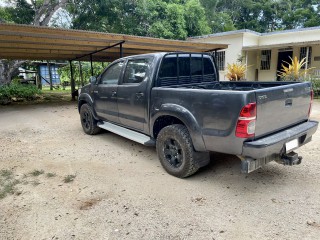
x,y
136,70
111,76
196,64
169,67
208,66
184,65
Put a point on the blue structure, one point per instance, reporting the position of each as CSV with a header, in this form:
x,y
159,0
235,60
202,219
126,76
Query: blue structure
x,y
44,74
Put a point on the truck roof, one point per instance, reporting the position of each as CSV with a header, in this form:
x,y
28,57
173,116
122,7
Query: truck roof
x,y
160,54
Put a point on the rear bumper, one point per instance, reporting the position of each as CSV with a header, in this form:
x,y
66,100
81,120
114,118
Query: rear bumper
x,y
275,144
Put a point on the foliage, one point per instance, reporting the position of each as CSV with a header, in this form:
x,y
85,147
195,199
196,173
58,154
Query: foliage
x,y
261,16
18,91
50,175
175,19
7,183
69,178
295,70
65,73
316,86
236,71
36,172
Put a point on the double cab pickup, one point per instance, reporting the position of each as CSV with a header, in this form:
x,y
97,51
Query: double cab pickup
x,y
175,101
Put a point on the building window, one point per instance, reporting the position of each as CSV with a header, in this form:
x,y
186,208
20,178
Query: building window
x,y
265,59
306,52
220,60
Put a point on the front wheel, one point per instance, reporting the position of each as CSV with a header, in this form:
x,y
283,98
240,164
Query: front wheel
x,y
176,152
88,122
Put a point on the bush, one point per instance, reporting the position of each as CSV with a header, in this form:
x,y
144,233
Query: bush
x,y
316,87
236,71
16,92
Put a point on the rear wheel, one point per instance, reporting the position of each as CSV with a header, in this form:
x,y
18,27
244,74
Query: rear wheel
x,y
175,151
88,122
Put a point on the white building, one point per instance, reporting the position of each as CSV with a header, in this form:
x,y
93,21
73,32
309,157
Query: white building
x,y
264,52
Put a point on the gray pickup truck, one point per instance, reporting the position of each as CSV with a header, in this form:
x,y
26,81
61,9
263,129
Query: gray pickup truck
x,y
175,101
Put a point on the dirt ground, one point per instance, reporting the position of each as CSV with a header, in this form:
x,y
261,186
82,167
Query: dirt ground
x,y
68,185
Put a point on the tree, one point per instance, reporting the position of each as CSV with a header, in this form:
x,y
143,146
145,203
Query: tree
x,y
174,19
22,13
261,15
196,22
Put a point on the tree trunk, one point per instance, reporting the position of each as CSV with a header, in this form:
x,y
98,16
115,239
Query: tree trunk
x,y
9,69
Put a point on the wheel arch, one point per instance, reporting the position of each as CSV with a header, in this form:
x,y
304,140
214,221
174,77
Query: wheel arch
x,y
170,114
85,98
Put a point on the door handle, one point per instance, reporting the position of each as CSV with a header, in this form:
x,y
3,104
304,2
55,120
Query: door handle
x,y
96,91
113,94
139,95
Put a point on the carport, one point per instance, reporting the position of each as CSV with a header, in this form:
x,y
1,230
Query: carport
x,y
26,42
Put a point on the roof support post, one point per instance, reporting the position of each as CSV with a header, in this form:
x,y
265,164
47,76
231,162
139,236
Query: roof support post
x,y
72,82
81,75
50,75
121,51
91,65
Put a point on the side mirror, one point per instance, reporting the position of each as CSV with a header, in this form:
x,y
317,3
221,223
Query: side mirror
x,y
93,79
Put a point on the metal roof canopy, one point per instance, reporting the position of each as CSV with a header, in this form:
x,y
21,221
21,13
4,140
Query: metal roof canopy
x,y
29,42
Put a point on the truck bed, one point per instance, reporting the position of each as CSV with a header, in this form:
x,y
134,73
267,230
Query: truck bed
x,y
217,105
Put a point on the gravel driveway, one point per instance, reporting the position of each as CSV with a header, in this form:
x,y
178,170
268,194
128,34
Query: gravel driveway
x,y
68,185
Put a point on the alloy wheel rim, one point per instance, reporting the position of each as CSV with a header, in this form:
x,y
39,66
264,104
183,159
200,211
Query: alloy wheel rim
x,y
86,120
173,152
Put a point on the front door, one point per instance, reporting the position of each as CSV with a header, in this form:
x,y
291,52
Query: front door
x,y
132,94
283,58
105,93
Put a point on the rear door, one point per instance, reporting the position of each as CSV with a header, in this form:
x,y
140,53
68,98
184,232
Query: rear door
x,y
132,94
281,107
105,93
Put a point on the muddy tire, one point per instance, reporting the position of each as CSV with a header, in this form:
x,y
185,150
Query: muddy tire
x,y
88,122
175,151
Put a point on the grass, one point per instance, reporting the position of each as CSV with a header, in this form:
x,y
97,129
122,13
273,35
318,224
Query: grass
x,y
69,178
60,89
7,183
35,183
6,173
50,175
36,172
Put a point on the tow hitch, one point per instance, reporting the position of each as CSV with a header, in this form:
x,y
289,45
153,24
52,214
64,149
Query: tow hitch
x,y
249,165
290,159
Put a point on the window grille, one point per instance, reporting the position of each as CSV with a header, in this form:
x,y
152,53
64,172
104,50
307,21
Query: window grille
x,y
306,52
265,59
221,60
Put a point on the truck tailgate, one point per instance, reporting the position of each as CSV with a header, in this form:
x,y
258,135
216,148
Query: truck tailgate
x,y
281,107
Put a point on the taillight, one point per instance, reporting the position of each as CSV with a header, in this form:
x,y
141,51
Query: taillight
x,y
311,101
246,124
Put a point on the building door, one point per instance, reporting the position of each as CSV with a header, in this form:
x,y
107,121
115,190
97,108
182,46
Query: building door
x,y
283,56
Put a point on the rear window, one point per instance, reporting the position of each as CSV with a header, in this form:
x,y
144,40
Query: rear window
x,y
196,64
185,68
169,67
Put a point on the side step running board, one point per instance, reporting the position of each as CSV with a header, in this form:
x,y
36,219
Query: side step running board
x,y
127,133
